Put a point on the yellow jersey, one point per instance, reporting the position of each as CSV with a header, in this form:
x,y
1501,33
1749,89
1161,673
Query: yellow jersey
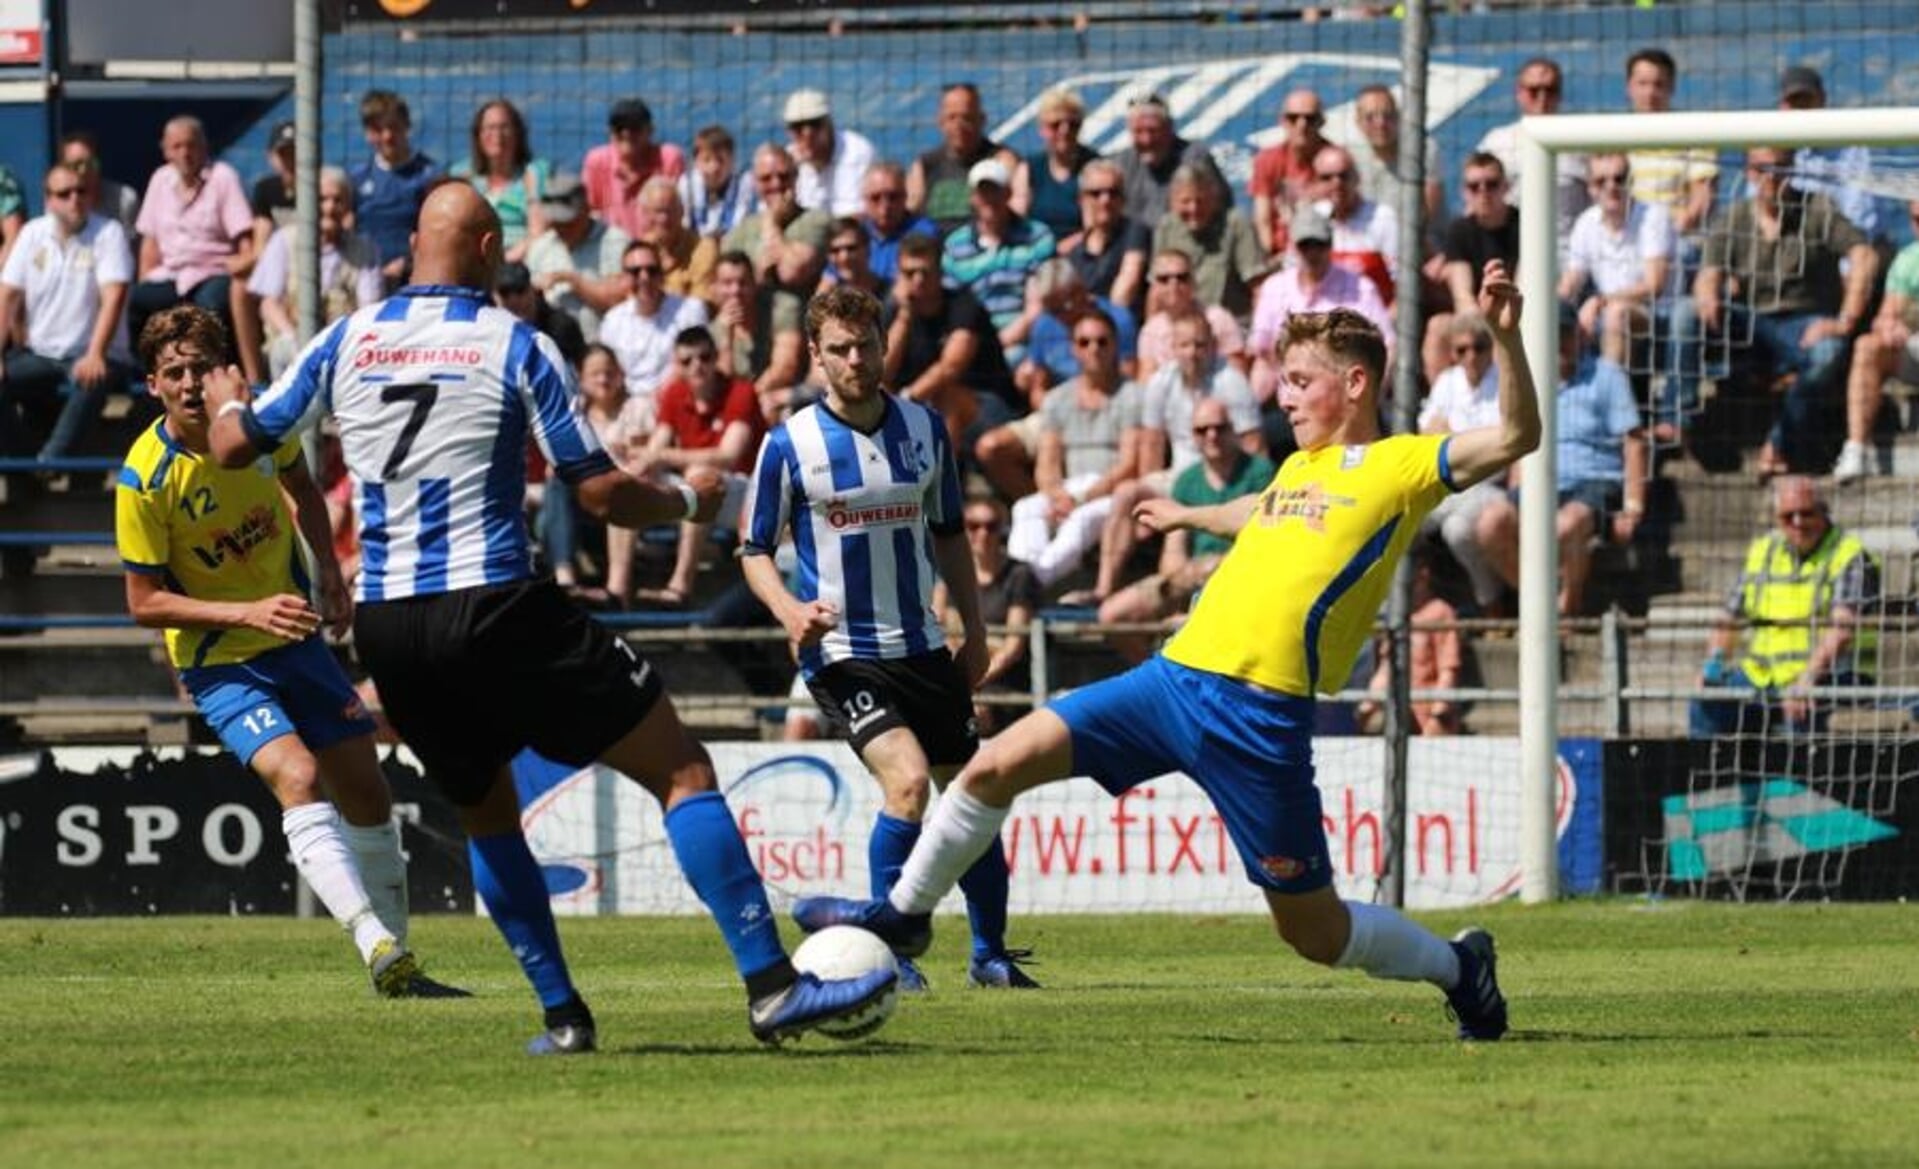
x,y
1294,600
211,533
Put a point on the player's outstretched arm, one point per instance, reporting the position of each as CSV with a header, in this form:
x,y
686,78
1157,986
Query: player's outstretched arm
x,y
1478,454
618,498
1221,519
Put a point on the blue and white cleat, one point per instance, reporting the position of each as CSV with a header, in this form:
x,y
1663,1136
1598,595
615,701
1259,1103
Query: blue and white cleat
x,y
1001,971
1476,1004
907,934
811,1001
912,978
566,1039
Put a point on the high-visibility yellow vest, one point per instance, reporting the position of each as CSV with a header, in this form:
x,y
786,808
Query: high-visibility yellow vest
x,y
1789,603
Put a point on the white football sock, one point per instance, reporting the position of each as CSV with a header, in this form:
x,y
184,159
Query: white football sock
x,y
376,848
958,832
321,854
1387,944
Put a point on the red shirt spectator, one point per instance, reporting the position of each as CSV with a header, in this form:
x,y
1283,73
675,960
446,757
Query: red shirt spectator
x,y
698,425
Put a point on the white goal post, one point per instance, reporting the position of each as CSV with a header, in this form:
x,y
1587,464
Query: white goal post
x,y
1539,141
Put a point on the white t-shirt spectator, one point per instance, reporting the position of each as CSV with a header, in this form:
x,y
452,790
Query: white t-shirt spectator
x,y
645,344
1170,401
1458,405
60,282
836,189
1617,261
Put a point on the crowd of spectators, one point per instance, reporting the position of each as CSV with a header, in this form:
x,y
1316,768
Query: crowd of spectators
x,y
1094,330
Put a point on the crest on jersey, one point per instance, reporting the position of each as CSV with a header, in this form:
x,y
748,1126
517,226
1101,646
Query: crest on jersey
x,y
912,452
1352,457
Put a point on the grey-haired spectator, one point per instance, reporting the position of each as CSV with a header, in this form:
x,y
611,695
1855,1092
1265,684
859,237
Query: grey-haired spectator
x,y
886,219
832,160
939,184
1046,182
614,171
715,192
1156,152
196,233
1227,259
1365,233
1377,156
576,263
349,272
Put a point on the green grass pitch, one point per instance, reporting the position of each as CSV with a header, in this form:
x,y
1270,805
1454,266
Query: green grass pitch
x,y
1644,1035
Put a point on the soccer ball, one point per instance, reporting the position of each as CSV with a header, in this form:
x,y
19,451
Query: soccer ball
x,y
844,951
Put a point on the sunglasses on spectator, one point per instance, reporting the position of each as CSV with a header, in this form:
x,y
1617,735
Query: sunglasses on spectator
x,y
1478,186
62,192
808,124
644,270
698,357
1061,123
1093,341
1550,90
1379,116
776,179
1333,175
1615,180
914,273
1799,515
979,525
1466,347
84,164
1203,429
1172,278
1100,192
886,196
1301,116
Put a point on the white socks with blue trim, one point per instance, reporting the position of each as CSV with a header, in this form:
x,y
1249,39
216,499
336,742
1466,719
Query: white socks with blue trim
x,y
955,834
320,853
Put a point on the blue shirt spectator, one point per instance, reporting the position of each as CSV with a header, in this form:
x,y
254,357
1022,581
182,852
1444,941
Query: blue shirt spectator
x,y
1596,413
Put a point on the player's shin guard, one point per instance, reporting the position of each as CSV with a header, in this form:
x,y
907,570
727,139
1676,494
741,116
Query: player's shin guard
x,y
509,881
985,886
959,830
1387,944
716,864
321,854
376,848
887,849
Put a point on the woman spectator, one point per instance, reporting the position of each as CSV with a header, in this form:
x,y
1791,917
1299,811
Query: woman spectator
x,y
1046,183
604,403
1108,248
502,167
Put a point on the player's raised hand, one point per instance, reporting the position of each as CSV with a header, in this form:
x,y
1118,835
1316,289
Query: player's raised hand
x,y
223,384
1159,515
283,615
1499,300
710,486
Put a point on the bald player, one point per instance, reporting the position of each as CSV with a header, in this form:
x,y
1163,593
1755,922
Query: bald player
x,y
1229,701
435,393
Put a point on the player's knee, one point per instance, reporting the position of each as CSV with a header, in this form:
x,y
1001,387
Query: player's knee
x,y
296,781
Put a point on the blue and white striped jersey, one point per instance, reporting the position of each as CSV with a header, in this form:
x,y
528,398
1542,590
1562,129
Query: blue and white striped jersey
x,y
435,392
864,509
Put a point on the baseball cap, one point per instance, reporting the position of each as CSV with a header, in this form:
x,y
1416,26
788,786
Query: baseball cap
x,y
1310,224
282,136
629,114
1799,79
989,170
564,199
805,105
513,277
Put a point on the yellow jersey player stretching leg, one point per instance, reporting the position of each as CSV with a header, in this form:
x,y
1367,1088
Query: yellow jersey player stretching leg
x,y
1229,701
211,558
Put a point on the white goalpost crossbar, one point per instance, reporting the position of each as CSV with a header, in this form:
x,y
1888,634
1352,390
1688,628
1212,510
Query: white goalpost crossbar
x,y
1540,140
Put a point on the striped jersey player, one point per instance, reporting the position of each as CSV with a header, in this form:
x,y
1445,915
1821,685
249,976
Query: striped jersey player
x,y
868,486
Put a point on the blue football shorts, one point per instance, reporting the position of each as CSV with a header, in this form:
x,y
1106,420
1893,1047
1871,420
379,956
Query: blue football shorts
x,y
1250,750
295,689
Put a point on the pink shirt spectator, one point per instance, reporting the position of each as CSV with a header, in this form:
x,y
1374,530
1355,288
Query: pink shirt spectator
x,y
614,197
195,230
1281,296
1156,336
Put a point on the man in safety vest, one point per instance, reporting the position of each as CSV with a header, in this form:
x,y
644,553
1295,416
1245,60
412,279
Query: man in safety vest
x,y
1803,593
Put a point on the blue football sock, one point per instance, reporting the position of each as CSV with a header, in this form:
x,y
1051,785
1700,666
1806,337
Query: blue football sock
x,y
509,881
714,859
887,849
985,886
